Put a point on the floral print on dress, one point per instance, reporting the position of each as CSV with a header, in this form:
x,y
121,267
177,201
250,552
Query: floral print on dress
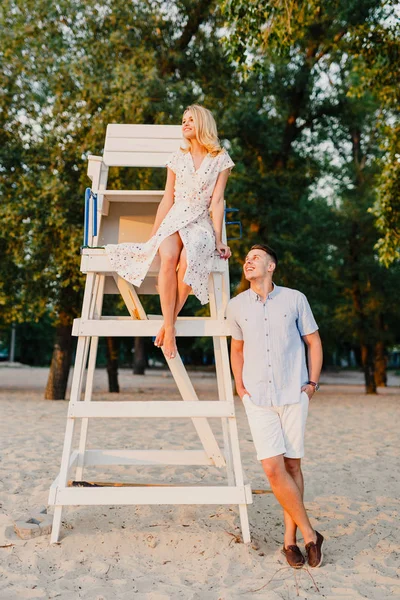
x,y
189,215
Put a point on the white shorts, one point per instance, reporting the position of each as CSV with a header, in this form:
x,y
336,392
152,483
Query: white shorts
x,y
278,429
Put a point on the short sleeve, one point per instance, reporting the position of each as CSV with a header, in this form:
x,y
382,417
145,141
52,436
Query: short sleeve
x,y
305,320
172,162
225,162
236,330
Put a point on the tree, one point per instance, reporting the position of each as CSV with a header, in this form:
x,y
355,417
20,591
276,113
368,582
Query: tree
x,y
293,52
114,62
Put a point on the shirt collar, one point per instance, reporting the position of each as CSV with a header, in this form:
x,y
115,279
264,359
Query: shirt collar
x,y
256,298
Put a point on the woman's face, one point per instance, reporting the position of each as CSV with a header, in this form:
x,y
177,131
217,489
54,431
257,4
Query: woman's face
x,y
188,126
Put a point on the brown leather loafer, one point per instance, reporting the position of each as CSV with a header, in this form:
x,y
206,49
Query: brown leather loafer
x,y
314,551
294,556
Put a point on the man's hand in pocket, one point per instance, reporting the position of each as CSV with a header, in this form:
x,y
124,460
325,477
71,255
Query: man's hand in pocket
x,y
309,390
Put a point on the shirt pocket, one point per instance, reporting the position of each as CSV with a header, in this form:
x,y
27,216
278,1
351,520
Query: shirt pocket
x,y
252,329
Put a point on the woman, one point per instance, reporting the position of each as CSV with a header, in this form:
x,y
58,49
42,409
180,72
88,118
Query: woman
x,y
184,234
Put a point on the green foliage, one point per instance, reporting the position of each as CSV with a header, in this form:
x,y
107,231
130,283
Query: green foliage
x,y
304,82
69,70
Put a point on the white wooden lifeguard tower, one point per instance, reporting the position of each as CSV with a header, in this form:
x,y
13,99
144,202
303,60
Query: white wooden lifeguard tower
x,y
115,216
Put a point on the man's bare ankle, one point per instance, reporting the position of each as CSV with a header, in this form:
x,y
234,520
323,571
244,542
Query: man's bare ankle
x,y
311,537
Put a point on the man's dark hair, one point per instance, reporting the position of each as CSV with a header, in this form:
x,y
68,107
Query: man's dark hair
x,y
268,250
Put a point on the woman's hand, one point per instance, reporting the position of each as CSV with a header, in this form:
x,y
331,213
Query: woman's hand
x,y
223,251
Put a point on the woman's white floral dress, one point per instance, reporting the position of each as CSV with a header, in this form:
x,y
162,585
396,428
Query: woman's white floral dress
x,y
189,215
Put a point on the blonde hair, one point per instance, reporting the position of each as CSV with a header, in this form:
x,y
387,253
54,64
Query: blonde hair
x,y
206,130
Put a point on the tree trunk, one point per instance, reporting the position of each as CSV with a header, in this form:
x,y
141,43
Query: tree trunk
x,y
112,364
367,356
139,357
364,336
60,364
380,364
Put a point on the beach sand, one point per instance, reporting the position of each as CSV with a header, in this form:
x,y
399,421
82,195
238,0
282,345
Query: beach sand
x,y
194,552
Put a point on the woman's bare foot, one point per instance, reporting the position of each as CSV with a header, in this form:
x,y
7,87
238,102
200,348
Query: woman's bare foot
x,y
159,341
169,345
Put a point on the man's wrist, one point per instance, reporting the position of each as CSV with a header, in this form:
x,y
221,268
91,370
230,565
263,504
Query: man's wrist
x,y
314,384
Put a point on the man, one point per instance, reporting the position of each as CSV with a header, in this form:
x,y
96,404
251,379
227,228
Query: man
x,y
268,326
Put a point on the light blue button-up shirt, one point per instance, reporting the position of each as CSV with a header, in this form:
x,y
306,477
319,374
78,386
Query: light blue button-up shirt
x,y
274,366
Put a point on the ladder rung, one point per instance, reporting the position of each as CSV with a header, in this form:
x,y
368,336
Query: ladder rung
x,y
123,456
95,260
149,328
93,496
152,409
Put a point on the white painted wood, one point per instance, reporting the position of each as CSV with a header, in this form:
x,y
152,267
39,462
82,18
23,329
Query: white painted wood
x,y
130,298
76,388
95,311
127,215
53,488
98,173
220,381
75,496
146,457
151,409
94,167
142,145
148,328
62,479
136,159
135,196
96,261
202,426
157,132
55,530
237,466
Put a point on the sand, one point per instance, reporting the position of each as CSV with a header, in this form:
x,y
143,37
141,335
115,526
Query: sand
x,y
194,552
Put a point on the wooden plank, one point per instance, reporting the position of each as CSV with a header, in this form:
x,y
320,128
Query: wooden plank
x,y
74,496
148,328
188,394
257,492
97,261
146,193
95,311
122,130
214,298
135,159
128,197
138,144
53,488
146,457
151,409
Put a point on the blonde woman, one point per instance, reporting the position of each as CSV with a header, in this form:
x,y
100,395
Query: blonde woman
x,y
185,234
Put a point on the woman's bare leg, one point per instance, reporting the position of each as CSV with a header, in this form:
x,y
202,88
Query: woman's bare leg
x,y
169,251
182,292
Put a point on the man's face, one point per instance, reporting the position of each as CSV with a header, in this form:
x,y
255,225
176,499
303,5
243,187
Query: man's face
x,y
257,264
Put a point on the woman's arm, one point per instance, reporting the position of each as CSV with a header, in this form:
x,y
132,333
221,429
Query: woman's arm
x,y
166,202
217,212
